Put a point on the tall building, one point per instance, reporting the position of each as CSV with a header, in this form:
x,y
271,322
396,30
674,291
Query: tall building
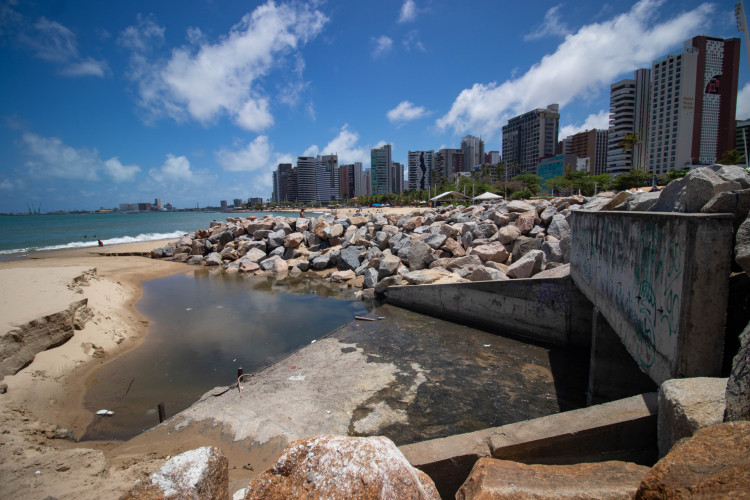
x,y
307,189
327,178
694,96
397,177
381,170
447,162
529,137
492,158
473,150
367,181
629,113
351,181
591,144
284,183
420,165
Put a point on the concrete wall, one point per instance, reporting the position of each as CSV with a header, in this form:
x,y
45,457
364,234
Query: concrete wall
x,y
551,311
621,430
661,282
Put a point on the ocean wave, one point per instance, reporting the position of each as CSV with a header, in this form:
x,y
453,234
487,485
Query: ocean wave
x,y
92,243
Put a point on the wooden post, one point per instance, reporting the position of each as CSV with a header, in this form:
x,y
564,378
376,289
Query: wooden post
x,y
162,413
239,372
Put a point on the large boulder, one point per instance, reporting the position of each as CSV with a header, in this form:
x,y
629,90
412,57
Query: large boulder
x,y
254,255
558,227
508,234
502,479
519,206
349,258
527,266
416,255
524,245
492,252
686,405
388,266
690,193
732,173
293,240
641,201
714,463
730,202
342,276
738,385
199,473
742,246
330,466
425,276
454,247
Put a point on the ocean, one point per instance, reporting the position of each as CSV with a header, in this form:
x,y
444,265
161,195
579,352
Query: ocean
x,y
24,234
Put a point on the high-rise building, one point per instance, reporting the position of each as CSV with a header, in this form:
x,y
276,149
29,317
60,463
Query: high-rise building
x,y
237,203
307,189
420,165
351,181
694,99
529,137
397,177
327,178
473,150
284,183
157,204
591,144
381,170
447,162
367,181
492,158
629,113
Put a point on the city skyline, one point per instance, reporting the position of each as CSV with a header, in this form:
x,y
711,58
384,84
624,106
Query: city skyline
x,y
125,102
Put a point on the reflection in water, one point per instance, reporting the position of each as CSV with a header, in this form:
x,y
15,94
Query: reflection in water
x,y
205,326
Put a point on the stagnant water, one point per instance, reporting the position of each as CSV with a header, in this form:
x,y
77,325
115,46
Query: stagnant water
x,y
204,325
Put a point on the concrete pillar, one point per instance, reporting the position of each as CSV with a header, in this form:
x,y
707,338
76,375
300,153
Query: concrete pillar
x,y
613,373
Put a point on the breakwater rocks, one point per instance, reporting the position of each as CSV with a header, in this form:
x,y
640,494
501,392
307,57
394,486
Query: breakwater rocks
x,y
516,239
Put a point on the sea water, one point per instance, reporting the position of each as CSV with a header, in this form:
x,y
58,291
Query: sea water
x,y
24,234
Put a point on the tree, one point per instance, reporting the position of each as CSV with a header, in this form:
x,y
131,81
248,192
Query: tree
x,y
629,142
634,178
731,157
530,182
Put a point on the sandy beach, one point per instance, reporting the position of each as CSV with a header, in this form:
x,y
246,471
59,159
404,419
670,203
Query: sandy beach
x,y
44,399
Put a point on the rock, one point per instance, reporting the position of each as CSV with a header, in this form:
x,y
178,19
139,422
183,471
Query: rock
x,y
546,215
416,255
617,200
556,272
565,248
454,247
686,405
276,239
732,173
386,282
321,261
742,246
526,221
468,262
527,266
558,227
388,266
552,251
411,223
269,264
482,273
642,202
319,227
425,276
371,278
195,260
436,240
248,266
524,245
508,234
448,230
502,479
730,202
493,252
714,463
330,466
519,206
690,193
738,385
342,276
213,259
199,473
293,240
254,255
349,258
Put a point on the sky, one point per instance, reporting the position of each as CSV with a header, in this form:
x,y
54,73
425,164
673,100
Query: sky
x,y
103,103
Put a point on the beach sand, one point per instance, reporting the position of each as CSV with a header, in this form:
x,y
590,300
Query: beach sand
x,y
45,397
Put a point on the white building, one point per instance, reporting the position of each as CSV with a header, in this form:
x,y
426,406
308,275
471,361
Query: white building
x,y
420,165
629,113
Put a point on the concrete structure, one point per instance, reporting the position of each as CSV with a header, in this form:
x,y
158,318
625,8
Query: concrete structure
x,y
620,430
591,144
694,97
421,164
447,163
473,150
380,170
552,311
661,282
629,113
529,137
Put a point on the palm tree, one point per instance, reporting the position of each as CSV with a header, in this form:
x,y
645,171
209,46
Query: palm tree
x,y
629,142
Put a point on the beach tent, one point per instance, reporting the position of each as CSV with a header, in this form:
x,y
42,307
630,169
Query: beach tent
x,y
449,197
487,197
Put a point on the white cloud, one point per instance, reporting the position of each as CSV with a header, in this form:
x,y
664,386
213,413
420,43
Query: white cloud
x,y
405,112
551,26
383,45
205,81
50,157
598,121
7,185
408,12
743,103
254,115
144,36
53,42
119,172
584,64
345,145
255,156
412,41
174,169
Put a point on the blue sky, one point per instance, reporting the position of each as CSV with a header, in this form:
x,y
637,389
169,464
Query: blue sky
x,y
194,102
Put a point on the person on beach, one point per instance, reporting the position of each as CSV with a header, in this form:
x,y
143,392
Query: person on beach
x,y
302,212
100,243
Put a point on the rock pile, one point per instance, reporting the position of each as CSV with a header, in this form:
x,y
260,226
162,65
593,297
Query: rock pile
x,y
516,239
